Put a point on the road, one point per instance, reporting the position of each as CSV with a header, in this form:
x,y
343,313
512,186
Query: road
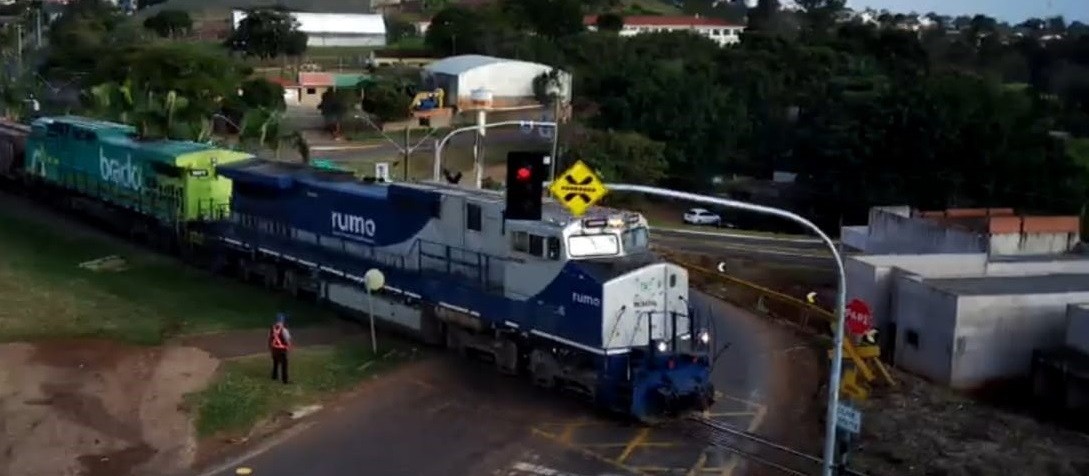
x,y
786,251
453,416
385,149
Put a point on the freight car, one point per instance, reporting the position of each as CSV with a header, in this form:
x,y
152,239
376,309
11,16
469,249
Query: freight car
x,y
577,304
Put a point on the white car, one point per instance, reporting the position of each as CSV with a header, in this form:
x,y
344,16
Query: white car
x,y
700,216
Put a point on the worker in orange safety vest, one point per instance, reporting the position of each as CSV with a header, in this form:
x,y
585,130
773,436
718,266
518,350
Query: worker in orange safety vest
x,y
279,342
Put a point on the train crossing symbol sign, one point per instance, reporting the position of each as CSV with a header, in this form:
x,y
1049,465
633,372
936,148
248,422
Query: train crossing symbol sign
x,y
578,188
859,317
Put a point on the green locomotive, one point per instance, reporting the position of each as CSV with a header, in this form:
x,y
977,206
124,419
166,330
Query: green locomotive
x,y
171,182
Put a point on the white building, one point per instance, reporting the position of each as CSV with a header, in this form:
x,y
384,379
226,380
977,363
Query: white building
x,y
721,31
964,296
335,29
509,81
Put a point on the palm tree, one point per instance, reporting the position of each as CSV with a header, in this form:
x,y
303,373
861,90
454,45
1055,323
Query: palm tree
x,y
155,116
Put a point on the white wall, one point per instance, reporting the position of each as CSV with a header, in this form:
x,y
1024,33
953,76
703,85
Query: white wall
x,y
1077,327
930,315
893,232
1033,243
506,80
871,277
995,335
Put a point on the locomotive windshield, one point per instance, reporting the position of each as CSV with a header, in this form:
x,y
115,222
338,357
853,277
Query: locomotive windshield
x,y
581,246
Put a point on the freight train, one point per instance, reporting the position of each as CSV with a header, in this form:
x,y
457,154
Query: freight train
x,y
576,304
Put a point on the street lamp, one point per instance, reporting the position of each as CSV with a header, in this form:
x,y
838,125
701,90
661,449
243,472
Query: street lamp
x,y
841,298
555,91
373,280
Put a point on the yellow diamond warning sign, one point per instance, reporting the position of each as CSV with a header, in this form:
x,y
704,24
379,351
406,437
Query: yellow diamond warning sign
x,y
578,188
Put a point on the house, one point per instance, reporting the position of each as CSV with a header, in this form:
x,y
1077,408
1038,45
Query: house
x,y
721,31
306,91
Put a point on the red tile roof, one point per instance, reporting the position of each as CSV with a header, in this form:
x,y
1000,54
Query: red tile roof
x,y
660,20
316,80
287,83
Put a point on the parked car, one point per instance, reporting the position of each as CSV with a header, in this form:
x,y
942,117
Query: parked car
x,y
701,216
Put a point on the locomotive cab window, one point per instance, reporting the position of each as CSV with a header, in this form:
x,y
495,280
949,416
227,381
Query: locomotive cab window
x,y
553,248
472,217
536,245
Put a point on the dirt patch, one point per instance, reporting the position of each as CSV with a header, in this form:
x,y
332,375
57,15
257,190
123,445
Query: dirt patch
x,y
88,407
924,429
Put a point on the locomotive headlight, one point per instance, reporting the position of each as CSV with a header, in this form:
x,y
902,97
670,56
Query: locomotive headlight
x,y
705,337
662,347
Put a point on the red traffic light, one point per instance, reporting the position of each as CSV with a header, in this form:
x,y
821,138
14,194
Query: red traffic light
x,y
523,174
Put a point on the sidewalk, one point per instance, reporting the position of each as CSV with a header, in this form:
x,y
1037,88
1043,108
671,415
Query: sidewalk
x,y
241,343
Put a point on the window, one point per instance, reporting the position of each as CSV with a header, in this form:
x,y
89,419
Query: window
x,y
311,91
536,245
472,217
593,245
519,241
635,239
553,248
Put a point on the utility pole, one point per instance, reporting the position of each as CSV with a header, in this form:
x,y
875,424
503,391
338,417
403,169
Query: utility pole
x,y
408,152
555,136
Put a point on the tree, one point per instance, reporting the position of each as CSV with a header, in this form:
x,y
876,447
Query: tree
x,y
386,100
83,29
456,30
622,157
398,29
170,23
610,22
335,106
265,33
155,115
256,93
550,18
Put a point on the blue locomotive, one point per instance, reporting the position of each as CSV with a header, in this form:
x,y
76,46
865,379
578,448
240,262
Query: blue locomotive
x,y
578,304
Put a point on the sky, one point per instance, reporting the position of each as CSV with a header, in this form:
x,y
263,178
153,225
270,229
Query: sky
x,y
1013,11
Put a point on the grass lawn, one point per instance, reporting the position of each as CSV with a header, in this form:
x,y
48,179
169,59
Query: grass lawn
x,y
45,293
242,394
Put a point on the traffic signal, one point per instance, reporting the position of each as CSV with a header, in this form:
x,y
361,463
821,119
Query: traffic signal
x,y
525,176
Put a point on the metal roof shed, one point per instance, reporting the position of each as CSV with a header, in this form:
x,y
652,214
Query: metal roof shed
x,y
510,81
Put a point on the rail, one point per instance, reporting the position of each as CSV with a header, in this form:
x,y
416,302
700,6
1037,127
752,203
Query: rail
x,y
759,450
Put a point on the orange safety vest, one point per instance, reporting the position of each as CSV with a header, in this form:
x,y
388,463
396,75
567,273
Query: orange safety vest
x,y
275,337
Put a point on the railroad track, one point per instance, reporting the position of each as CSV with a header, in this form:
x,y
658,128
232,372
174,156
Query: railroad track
x,y
753,448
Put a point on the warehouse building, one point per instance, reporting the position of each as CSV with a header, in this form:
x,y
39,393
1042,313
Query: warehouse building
x,y
509,81
335,29
970,331
964,296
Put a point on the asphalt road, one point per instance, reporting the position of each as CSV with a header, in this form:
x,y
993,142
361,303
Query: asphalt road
x,y
454,416
384,149
779,250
